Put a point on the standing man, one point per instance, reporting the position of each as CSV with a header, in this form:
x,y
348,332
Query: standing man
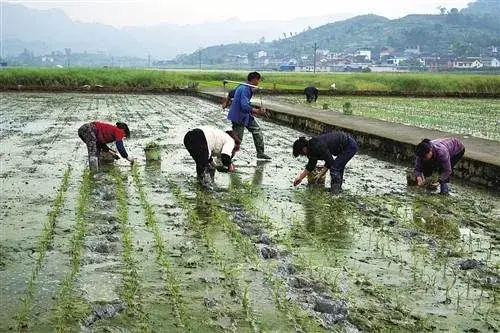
x,y
439,155
338,144
311,93
241,113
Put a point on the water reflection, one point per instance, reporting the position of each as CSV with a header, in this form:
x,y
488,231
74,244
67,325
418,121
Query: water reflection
x,y
258,175
431,217
326,218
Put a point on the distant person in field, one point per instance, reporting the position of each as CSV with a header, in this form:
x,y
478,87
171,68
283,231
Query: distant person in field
x,y
311,93
241,114
97,135
204,143
324,147
227,100
439,155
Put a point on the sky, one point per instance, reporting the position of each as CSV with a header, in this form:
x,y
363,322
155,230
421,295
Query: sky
x,y
120,13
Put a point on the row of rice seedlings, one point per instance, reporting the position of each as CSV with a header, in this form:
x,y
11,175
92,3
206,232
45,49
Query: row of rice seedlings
x,y
44,242
246,193
68,307
293,311
131,281
229,269
420,259
334,278
172,283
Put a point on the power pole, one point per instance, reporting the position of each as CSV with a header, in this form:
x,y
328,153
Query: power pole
x,y
149,60
315,48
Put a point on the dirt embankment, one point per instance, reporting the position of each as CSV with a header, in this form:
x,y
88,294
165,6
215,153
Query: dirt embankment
x,y
324,92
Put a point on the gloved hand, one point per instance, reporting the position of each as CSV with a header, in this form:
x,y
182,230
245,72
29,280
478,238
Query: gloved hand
x,y
131,159
444,187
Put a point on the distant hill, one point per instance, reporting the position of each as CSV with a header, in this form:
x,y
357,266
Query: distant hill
x,y
44,31
463,33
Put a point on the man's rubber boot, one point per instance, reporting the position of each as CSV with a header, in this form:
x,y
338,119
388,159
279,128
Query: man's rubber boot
x,y
336,183
444,188
262,156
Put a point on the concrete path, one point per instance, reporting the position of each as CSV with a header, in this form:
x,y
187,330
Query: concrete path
x,y
486,151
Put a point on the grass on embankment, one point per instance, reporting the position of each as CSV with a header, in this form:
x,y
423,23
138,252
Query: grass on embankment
x,y
137,79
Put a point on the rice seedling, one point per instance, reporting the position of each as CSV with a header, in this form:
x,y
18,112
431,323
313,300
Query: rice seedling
x,y
171,279
44,241
131,280
69,307
230,269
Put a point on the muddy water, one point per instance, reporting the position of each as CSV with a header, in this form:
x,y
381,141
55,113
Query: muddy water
x,y
253,254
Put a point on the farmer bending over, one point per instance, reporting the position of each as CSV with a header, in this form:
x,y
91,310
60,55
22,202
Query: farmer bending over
x,y
97,134
439,155
204,143
311,93
324,147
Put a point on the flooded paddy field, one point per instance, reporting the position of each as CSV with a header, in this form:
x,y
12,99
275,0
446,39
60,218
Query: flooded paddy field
x,y
145,248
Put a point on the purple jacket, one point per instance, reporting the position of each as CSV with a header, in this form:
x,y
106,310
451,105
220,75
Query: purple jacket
x,y
240,111
442,152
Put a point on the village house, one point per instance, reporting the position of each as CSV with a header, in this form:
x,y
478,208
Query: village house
x,y
467,64
490,62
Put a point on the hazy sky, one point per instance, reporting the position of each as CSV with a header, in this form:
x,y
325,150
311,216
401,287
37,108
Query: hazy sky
x,y
151,12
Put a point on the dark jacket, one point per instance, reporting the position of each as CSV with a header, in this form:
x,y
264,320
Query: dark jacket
x,y
324,146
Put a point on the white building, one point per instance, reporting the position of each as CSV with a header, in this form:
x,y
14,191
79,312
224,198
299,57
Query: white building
x,y
366,53
491,62
261,54
467,63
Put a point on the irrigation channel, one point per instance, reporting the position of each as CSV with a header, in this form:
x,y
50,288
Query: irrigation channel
x,y
145,249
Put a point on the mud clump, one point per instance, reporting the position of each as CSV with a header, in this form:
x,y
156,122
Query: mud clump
x,y
338,308
268,252
103,247
264,239
102,311
469,264
286,269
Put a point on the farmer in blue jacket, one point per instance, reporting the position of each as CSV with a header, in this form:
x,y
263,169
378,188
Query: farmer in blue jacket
x,y
241,113
439,155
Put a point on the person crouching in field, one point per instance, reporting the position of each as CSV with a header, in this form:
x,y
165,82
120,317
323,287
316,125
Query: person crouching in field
x,y
439,155
324,147
204,143
97,134
311,93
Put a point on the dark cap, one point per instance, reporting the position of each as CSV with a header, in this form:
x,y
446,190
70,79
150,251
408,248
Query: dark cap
x,y
298,145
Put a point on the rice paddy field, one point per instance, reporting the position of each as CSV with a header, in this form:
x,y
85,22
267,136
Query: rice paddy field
x,y
145,248
470,117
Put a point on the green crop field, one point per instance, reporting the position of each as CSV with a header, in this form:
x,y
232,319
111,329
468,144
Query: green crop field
x,y
474,117
403,83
